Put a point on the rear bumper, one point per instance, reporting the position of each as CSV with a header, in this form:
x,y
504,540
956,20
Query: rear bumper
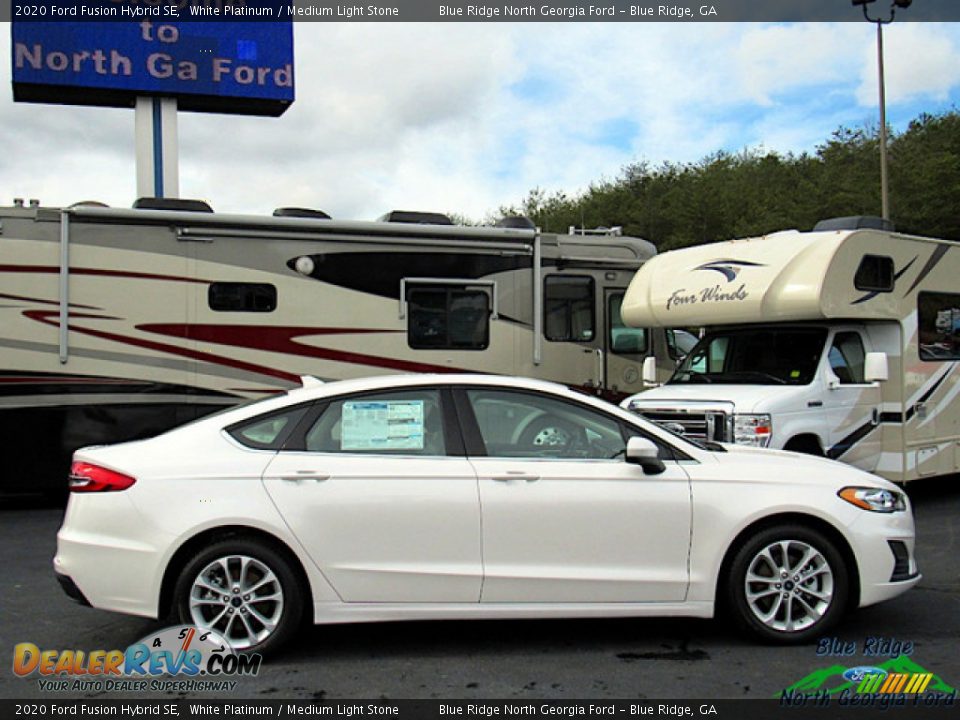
x,y
71,589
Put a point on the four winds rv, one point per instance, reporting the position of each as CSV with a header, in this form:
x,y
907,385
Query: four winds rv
x,y
841,342
121,323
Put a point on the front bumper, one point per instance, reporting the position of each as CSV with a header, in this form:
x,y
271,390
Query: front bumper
x,y
884,547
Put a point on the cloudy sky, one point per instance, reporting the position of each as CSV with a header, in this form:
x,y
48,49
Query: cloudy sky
x,y
464,118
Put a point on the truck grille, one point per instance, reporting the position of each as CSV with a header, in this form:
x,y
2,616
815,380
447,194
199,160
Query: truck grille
x,y
695,425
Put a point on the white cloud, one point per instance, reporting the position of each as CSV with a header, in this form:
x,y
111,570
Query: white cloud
x,y
773,60
920,61
466,117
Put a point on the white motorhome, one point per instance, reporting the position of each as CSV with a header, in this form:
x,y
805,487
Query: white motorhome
x,y
842,342
119,323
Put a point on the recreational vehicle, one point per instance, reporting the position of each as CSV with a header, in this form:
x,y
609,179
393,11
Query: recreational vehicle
x,y
120,323
840,342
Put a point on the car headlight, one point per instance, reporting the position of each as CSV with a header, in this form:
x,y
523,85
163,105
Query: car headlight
x,y
874,499
753,430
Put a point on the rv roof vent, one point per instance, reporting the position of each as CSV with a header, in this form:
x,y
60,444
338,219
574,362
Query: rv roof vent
x,y
417,218
855,222
153,203
89,203
517,222
296,212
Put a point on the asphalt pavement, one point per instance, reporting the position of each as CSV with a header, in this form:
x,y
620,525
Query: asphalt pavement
x,y
517,660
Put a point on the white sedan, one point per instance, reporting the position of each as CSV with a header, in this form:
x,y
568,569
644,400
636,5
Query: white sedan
x,y
475,496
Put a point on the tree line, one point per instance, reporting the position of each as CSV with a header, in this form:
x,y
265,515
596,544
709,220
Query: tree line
x,y
753,192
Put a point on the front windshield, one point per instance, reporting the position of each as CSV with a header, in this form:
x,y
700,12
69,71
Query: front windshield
x,y
755,356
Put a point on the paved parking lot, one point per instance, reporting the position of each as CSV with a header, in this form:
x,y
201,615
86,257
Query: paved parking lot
x,y
519,660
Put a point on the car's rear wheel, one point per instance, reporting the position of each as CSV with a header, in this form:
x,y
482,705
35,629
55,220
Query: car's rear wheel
x,y
788,584
243,590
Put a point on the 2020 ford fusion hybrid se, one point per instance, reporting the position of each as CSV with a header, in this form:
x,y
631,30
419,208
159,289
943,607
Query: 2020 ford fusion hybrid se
x,y
454,496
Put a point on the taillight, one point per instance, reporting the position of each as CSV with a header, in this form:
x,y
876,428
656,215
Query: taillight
x,y
85,477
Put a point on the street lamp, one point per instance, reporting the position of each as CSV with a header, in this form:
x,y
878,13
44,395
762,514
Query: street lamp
x,y
880,22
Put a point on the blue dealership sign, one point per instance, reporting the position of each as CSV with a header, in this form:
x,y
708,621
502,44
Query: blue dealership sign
x,y
227,67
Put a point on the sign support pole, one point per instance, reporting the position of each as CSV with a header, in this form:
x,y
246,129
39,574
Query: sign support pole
x,y
155,124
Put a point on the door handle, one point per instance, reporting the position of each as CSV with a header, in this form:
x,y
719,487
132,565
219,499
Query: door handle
x,y
304,475
515,476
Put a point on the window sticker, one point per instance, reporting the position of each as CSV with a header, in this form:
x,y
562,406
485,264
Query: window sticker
x,y
376,425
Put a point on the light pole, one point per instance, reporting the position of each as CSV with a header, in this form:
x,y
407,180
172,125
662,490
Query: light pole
x,y
880,22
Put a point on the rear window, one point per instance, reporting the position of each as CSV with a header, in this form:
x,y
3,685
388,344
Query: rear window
x,y
267,432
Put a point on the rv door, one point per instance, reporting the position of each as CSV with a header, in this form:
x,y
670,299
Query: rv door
x,y
851,405
626,348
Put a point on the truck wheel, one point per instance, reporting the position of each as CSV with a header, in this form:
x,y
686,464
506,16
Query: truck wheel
x,y
244,591
805,445
787,584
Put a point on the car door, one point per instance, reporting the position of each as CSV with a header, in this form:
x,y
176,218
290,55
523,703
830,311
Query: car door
x,y
376,492
565,518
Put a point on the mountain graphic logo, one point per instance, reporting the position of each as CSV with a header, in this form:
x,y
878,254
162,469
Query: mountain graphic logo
x,y
728,268
835,679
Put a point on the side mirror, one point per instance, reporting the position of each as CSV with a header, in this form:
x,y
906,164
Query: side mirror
x,y
650,371
643,452
875,367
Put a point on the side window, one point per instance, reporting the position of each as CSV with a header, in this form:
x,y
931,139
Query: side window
x,y
680,342
846,358
874,274
568,308
624,340
939,326
447,318
521,425
267,432
242,297
396,423
711,358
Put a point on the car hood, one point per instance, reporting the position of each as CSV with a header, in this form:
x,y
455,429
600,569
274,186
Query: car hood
x,y
791,467
739,398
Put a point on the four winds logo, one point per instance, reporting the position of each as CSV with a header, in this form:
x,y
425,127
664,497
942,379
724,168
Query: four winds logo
x,y
728,268
717,293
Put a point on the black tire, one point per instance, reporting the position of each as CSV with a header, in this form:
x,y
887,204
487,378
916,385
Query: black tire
x,y
243,609
815,603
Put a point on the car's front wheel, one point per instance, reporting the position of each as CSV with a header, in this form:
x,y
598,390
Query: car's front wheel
x,y
788,584
243,590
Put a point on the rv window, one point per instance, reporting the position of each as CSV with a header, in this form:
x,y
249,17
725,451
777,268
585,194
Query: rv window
x,y
624,340
242,297
939,326
447,318
875,274
568,308
846,358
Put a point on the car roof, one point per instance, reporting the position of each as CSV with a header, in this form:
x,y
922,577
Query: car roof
x,y
313,390
341,387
